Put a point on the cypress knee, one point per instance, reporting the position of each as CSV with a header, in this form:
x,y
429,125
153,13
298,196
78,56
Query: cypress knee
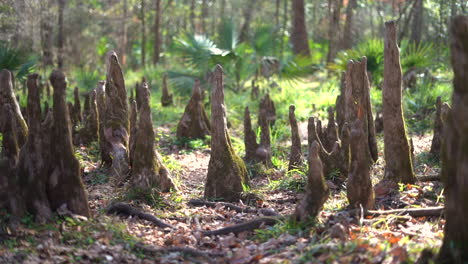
x,y
116,123
226,171
438,125
263,151
269,107
398,164
295,159
454,154
106,159
90,130
194,122
166,98
77,105
148,172
250,138
133,130
317,191
64,186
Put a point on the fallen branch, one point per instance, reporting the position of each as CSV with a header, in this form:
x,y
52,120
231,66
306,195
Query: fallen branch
x,y
230,206
426,178
126,209
414,212
247,226
184,250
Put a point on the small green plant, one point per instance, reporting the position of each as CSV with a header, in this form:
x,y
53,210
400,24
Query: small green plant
x,y
289,226
150,197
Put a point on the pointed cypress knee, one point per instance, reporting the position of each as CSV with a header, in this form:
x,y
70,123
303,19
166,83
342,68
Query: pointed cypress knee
x,y
7,96
116,123
148,171
330,136
166,98
398,164
194,122
267,105
454,154
90,130
359,185
250,138
317,191
226,171
438,125
263,151
295,159
133,130
64,186
104,146
77,105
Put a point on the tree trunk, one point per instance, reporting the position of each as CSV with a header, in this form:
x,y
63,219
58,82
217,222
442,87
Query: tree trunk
x,y
248,12
283,26
65,187
77,105
47,38
157,33
123,40
418,22
347,41
60,38
317,191
116,124
295,159
227,173
194,123
192,15
299,39
334,28
143,34
148,172
398,164
166,98
204,16
438,127
454,155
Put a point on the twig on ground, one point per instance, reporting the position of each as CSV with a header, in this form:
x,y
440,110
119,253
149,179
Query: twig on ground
x,y
247,226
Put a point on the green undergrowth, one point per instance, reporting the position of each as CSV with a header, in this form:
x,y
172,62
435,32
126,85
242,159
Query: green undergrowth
x,y
286,226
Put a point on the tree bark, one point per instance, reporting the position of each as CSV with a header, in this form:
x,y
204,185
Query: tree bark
x,y
295,159
418,22
64,186
157,33
116,123
299,38
60,38
194,123
77,105
334,28
347,41
148,172
398,164
227,173
454,155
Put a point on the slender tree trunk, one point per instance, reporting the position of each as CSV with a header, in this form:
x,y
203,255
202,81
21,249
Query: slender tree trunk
x,y
123,40
334,29
283,27
157,33
204,16
277,12
398,164
47,38
60,38
454,151
418,22
192,15
299,38
248,12
347,41
143,34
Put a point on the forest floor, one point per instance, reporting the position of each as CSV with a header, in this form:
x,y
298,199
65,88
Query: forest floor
x,y
336,236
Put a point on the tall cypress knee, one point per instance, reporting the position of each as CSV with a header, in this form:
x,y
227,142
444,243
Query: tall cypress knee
x,y
65,186
166,98
250,138
454,154
226,171
295,159
398,164
106,159
438,125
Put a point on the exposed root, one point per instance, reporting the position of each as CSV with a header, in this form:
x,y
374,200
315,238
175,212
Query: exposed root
x,y
414,212
233,207
426,178
184,250
126,209
247,226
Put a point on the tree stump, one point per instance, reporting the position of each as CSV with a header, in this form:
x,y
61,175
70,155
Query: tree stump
x,y
64,186
116,123
359,185
398,164
166,98
438,126
148,172
295,159
250,139
454,153
90,130
7,96
77,105
358,105
316,191
269,107
194,122
33,167
227,173
133,130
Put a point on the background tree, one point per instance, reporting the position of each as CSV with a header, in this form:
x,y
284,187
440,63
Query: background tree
x,y
299,30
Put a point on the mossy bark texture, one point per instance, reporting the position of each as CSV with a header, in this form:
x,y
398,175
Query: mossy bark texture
x,y
116,123
438,126
7,97
194,122
226,171
64,186
295,159
398,164
454,151
358,105
166,97
317,191
147,169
